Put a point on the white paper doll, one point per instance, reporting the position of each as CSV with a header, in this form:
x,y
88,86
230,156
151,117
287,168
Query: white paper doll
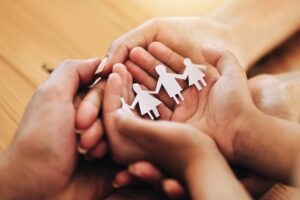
x,y
147,102
193,73
126,107
168,81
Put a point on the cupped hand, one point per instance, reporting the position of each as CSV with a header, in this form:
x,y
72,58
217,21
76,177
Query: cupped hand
x,y
218,109
185,35
89,123
143,134
43,154
277,95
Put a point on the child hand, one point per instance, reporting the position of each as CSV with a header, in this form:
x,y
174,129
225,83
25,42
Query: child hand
x,y
219,108
170,145
183,152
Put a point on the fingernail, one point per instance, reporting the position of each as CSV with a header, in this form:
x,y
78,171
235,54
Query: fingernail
x,y
78,132
131,169
97,80
82,150
116,185
102,65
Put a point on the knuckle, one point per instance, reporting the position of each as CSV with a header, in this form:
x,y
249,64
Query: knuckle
x,y
116,43
49,91
66,62
98,90
154,22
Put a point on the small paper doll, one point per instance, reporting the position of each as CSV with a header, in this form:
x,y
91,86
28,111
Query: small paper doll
x,y
168,81
147,102
193,73
126,107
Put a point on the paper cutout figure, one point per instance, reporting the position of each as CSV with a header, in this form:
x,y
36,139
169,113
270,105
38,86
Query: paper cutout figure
x,y
126,107
168,81
147,102
194,74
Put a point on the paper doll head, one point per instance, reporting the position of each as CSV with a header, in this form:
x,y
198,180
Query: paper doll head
x,y
160,69
136,88
187,61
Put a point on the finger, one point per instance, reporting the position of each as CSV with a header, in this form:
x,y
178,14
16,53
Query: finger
x,y
154,131
129,87
112,94
146,61
123,178
166,55
173,189
69,75
225,62
119,50
111,103
78,98
146,172
143,78
152,175
99,151
90,106
90,137
121,70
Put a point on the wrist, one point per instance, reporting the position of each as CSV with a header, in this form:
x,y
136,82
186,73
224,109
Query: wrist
x,y
15,182
248,122
268,146
201,156
237,34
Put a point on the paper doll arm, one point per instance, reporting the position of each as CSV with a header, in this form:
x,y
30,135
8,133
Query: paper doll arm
x,y
135,101
158,86
180,76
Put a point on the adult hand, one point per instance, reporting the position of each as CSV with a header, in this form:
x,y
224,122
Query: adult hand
x,y
196,157
43,156
185,35
277,95
218,109
89,123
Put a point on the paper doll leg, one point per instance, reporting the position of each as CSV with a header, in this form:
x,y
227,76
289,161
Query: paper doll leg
x,y
156,113
181,97
203,82
198,86
175,99
150,115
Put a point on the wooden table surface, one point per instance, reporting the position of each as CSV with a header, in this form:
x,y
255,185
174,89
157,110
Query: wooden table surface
x,y
38,34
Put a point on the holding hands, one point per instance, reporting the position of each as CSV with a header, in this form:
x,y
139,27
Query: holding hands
x,y
188,142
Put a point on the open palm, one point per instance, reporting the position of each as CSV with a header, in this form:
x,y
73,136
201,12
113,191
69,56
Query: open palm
x,y
217,109
142,70
142,67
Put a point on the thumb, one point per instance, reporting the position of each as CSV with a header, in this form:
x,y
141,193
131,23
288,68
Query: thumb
x,y
225,62
145,133
120,48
